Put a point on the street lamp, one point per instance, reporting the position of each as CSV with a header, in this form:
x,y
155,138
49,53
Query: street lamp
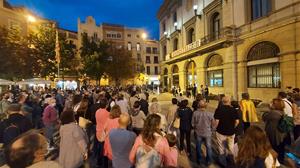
x,y
31,19
144,36
195,7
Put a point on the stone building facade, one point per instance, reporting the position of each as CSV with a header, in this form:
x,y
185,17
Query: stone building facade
x,y
233,46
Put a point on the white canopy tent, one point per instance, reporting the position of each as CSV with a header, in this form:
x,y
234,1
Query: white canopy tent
x,y
35,81
6,82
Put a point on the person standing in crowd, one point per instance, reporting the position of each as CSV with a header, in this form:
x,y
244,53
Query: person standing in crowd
x,y
206,93
297,116
60,100
14,125
36,113
73,149
172,153
255,150
288,107
155,108
172,111
194,91
28,151
112,123
137,118
150,147
102,116
133,98
50,120
144,105
121,141
277,139
203,122
4,104
123,104
248,111
82,108
226,119
220,100
185,114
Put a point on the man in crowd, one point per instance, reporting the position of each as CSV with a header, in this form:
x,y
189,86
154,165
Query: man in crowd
x,y
226,120
121,141
288,110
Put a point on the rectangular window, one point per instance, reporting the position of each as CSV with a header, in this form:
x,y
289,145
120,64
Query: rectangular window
x,y
119,35
155,59
264,76
154,50
137,36
148,70
164,52
164,26
108,35
148,61
215,78
174,17
129,46
148,50
138,47
128,35
260,8
156,70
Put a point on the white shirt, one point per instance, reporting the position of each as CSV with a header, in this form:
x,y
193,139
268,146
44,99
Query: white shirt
x,y
288,107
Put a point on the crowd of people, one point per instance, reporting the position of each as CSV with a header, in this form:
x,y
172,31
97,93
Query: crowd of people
x,y
121,128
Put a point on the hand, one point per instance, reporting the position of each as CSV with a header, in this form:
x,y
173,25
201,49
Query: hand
x,y
85,156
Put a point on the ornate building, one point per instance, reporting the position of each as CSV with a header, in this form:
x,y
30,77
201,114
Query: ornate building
x,y
233,46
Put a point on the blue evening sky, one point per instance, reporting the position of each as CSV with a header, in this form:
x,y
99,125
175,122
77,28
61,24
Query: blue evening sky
x,y
131,13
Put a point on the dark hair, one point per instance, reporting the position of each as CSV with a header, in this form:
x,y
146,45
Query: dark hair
x,y
171,139
282,94
103,103
278,104
184,103
245,96
67,117
136,104
174,101
151,126
76,99
235,104
24,155
199,97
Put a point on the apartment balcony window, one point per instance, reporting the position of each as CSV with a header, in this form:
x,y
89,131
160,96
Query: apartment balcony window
x,y
148,50
216,26
164,52
128,35
138,47
129,46
155,59
156,70
154,50
148,70
190,36
260,8
148,61
175,44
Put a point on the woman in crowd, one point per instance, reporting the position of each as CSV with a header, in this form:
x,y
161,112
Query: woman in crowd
x,y
255,150
112,122
277,139
185,114
137,118
248,111
50,120
73,143
150,141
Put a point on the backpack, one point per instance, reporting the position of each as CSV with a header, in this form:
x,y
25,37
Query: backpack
x,y
286,124
147,157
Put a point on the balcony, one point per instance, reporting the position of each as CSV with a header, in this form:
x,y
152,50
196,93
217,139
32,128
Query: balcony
x,y
205,44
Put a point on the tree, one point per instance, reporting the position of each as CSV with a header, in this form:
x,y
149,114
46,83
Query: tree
x,y
15,56
121,66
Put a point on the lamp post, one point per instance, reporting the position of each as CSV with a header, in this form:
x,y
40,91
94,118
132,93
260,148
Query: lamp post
x,y
195,7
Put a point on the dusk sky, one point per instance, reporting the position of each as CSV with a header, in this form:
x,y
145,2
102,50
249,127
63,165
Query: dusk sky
x,y
131,13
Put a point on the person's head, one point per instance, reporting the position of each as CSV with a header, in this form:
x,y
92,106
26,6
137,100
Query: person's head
x,y
51,102
282,95
27,149
255,144
154,99
245,96
14,108
103,103
151,126
115,112
22,98
297,97
174,101
137,105
278,104
202,104
199,97
76,99
226,100
171,138
180,94
296,90
201,86
121,97
67,117
124,121
184,103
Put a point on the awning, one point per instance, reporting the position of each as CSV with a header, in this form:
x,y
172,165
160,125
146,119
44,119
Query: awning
x,y
6,82
34,81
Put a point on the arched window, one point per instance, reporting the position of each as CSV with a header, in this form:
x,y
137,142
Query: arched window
x,y
190,36
215,71
263,66
260,8
175,44
215,26
175,75
191,74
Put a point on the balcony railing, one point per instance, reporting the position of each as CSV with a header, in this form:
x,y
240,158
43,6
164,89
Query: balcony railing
x,y
225,33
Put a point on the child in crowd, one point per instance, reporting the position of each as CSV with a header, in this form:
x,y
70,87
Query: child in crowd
x,y
172,158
